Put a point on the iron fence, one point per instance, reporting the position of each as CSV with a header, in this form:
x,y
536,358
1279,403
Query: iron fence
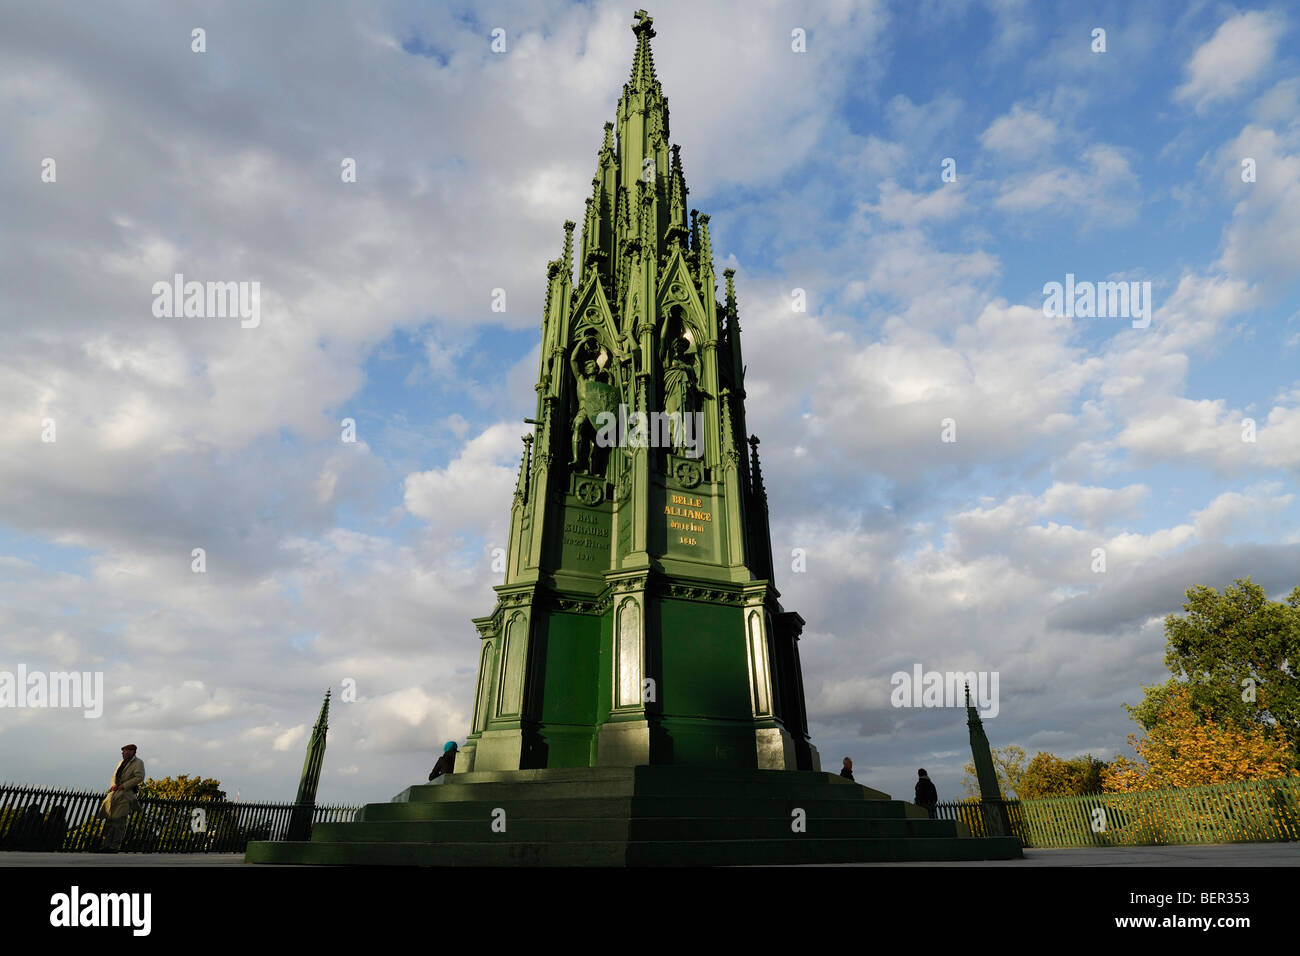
x,y
1254,811
43,818
974,812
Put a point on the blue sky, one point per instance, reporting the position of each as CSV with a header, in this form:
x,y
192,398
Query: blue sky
x,y
821,172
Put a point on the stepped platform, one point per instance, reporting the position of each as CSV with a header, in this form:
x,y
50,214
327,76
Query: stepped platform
x,y
635,816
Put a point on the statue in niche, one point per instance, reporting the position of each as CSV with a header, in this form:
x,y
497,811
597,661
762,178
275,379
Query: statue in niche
x,y
681,372
596,392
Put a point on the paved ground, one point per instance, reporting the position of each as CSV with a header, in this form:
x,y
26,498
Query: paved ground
x,y
1222,854
1234,854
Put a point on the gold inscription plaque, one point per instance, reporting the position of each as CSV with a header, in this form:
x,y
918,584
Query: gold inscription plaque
x,y
690,509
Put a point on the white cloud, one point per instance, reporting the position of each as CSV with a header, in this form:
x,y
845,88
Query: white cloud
x,y
1101,191
1262,241
1234,512
1022,132
907,208
180,433
291,739
1240,51
473,490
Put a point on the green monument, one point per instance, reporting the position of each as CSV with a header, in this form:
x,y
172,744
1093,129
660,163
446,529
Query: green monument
x,y
639,699
639,622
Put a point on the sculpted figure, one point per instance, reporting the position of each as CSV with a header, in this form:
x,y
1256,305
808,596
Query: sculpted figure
x,y
680,380
596,393
681,375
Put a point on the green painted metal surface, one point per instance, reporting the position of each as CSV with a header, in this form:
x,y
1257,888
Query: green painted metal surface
x,y
639,699
996,820
304,803
638,621
642,816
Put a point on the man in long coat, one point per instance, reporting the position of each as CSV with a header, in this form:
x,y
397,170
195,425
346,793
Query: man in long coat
x,y
121,800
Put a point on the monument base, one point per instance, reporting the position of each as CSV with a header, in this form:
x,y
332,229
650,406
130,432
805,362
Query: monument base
x,y
636,816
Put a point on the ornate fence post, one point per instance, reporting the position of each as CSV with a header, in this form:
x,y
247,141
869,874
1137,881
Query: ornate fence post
x,y
996,821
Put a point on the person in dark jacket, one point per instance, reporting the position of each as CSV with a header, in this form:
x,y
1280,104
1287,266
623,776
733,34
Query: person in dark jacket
x,y
446,763
926,795
848,769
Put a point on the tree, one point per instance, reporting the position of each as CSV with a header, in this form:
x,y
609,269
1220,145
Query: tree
x,y
1008,762
183,787
1237,654
1050,776
1184,749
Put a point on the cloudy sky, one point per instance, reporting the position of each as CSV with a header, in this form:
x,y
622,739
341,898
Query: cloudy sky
x,y
822,170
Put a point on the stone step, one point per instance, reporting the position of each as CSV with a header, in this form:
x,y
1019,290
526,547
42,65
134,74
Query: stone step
x,y
684,786
588,853
653,816
820,850
625,807
635,853
648,773
637,829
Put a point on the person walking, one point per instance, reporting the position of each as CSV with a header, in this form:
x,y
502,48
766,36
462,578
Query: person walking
x,y
120,801
926,795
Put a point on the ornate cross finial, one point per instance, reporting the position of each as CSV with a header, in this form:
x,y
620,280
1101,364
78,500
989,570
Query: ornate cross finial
x,y
644,22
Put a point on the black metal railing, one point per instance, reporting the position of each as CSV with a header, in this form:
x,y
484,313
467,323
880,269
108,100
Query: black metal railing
x,y
44,818
974,813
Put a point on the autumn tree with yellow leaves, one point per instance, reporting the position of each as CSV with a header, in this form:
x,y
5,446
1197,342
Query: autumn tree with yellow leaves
x,y
1182,749
1238,655
183,787
1231,709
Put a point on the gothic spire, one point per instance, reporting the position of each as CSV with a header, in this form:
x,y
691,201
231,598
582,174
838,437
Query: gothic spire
x,y
643,61
733,314
315,755
677,197
568,248
590,231
755,471
300,819
521,483
996,820
706,244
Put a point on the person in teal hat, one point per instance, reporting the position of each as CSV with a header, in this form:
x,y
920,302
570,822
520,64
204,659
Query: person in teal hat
x,y
446,763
